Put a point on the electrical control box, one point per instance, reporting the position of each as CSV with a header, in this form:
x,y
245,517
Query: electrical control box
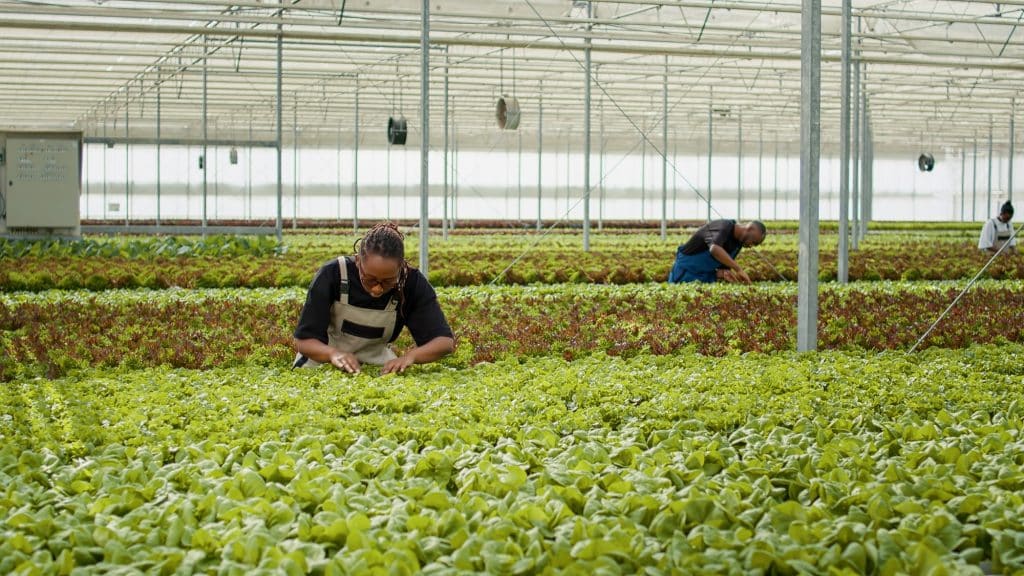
x,y
41,182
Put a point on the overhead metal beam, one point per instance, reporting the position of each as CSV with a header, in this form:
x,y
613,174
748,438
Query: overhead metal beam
x,y
981,62
141,141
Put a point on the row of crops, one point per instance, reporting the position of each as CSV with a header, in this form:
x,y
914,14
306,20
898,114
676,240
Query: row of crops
x,y
52,333
834,463
466,261
586,424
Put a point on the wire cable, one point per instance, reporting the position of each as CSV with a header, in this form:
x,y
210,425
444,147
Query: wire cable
x,y
964,291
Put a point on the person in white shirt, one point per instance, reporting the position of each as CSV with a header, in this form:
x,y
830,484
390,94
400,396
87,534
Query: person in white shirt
x,y
999,231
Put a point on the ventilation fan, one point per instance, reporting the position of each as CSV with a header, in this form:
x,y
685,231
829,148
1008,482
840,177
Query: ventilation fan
x,y
925,162
397,130
507,113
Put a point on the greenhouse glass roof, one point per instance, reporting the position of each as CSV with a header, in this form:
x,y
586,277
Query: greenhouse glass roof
x,y
934,74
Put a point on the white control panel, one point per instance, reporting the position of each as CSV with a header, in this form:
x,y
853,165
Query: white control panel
x,y
42,181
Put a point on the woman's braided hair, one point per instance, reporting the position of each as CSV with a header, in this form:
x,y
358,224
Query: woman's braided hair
x,y
387,241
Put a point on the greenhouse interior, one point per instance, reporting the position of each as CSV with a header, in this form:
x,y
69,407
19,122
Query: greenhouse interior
x,y
511,287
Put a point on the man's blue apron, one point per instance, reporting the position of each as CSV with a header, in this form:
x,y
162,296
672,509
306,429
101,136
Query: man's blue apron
x,y
700,267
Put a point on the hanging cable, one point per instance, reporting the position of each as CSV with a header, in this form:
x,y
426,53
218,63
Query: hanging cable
x,y
966,288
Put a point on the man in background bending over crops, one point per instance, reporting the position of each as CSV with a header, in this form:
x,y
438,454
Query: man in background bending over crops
x,y
999,231
357,306
710,255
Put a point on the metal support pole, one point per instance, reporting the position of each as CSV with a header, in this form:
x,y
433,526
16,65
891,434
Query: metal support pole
x,y
387,182
810,142
963,174
675,176
586,137
974,182
216,177
355,165
868,171
453,220
739,164
295,161
105,173
127,158
278,223
643,177
508,183
248,167
775,180
664,152
540,148
337,163
87,176
855,147
843,270
425,142
453,168
519,175
444,205
760,170
711,123
600,169
188,181
206,161
568,172
159,84
988,199
1009,173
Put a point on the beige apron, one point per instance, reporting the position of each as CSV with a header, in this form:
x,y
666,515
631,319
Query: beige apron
x,y
367,350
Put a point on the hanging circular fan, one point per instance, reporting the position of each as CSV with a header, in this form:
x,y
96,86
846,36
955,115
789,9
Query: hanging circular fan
x,y
507,112
925,162
397,130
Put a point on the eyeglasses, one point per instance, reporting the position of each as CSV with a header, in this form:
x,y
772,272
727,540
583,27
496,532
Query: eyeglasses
x,y
369,282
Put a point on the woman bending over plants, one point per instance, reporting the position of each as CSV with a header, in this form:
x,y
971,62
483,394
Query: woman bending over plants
x,y
357,305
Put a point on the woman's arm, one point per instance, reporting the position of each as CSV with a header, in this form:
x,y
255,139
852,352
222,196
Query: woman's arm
x,y
435,349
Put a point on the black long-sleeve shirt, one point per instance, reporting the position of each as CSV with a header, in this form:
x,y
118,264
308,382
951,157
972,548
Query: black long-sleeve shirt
x,y
421,312
715,232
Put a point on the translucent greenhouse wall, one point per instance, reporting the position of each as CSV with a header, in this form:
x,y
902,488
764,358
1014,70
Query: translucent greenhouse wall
x,y
318,184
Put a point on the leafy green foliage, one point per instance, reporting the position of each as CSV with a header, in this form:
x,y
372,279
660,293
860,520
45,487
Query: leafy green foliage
x,y
142,247
535,455
824,463
52,333
615,258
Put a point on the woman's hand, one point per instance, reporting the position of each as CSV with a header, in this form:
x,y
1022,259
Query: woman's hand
x,y
433,350
345,361
398,365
